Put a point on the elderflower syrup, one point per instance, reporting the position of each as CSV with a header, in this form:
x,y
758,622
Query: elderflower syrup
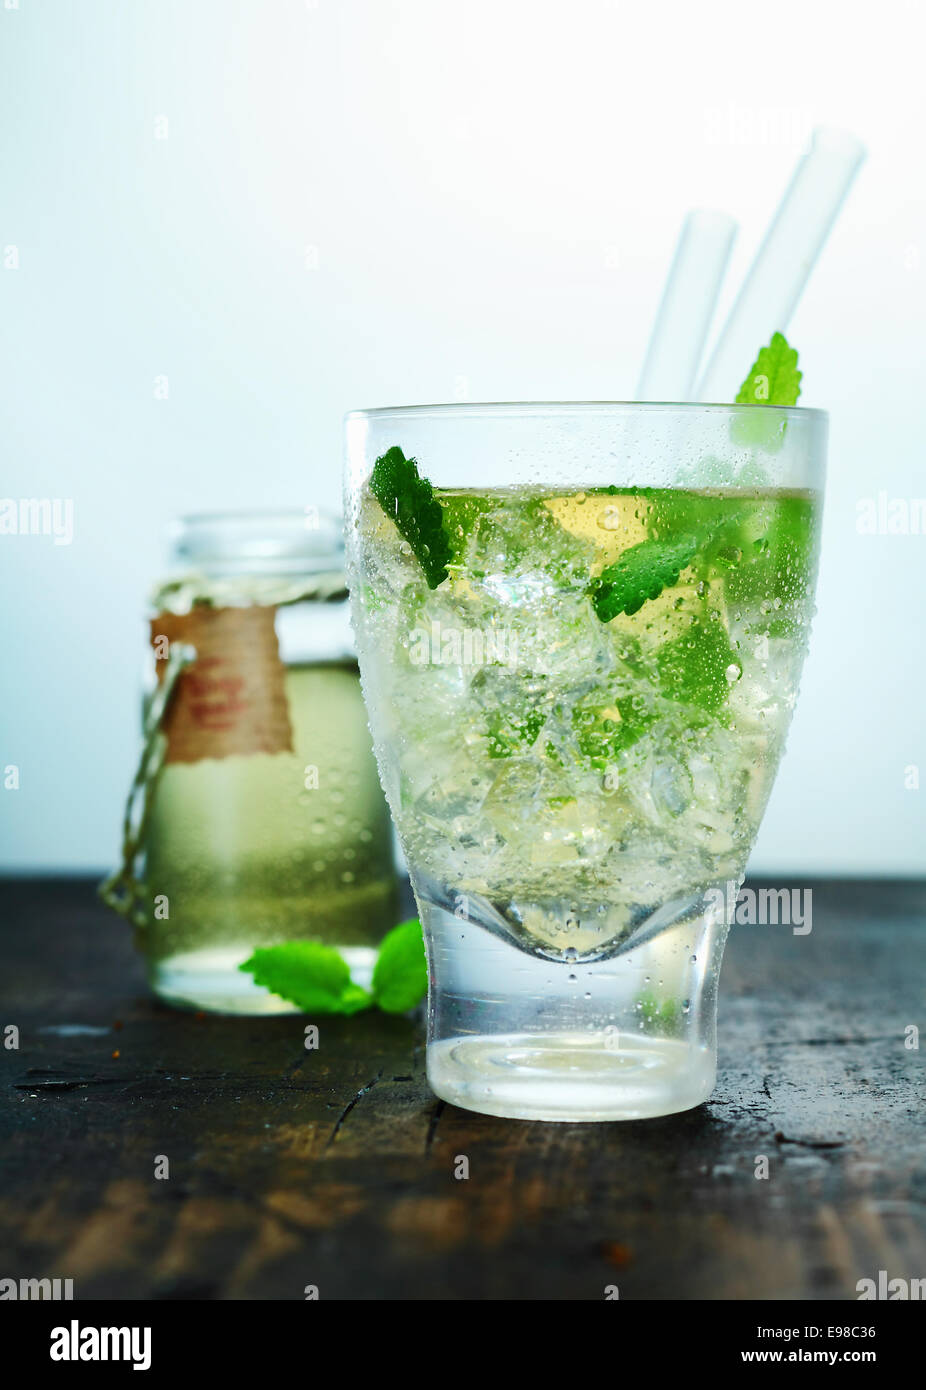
x,y
264,821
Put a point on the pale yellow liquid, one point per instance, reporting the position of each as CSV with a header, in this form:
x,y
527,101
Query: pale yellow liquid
x,y
247,852
611,766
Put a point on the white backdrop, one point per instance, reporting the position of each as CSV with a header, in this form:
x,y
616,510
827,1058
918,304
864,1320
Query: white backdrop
x,y
288,209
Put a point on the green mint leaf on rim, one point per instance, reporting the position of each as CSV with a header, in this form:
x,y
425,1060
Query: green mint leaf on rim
x,y
773,378
400,977
641,573
409,501
314,977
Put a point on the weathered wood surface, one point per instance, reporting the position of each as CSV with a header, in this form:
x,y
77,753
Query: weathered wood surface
x,y
336,1168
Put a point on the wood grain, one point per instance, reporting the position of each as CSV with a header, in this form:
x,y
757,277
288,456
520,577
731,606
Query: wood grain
x,y
336,1168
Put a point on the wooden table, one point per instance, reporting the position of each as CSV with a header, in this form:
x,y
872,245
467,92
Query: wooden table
x,y
335,1168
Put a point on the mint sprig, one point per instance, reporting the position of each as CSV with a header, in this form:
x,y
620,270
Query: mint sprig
x,y
313,976
317,980
409,501
641,573
773,378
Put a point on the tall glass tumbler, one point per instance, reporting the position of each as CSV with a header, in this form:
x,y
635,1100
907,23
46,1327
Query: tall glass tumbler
x,y
580,641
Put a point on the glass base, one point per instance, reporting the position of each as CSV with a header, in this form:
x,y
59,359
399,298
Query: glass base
x,y
625,1037
570,1076
209,980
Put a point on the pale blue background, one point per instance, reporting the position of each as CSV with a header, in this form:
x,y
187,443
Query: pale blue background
x,y
492,191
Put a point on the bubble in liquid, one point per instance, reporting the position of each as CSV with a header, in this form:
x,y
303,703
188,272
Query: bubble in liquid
x,y
733,672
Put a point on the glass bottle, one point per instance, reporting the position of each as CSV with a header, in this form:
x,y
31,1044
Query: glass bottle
x,y
266,822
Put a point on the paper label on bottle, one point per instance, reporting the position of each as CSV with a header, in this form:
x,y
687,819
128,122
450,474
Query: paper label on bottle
x,y
232,699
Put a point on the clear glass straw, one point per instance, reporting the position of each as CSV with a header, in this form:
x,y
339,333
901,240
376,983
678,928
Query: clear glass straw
x,y
687,307
785,259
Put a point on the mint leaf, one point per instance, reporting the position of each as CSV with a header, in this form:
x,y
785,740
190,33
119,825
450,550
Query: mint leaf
x,y
513,734
409,501
312,976
317,978
660,1015
400,977
773,378
513,727
601,738
693,668
777,542
641,573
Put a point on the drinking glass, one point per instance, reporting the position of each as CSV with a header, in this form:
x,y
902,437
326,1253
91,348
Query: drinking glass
x,y
578,720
